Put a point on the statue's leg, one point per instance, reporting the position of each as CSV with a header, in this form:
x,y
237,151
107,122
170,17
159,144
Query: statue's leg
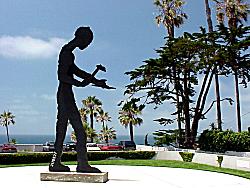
x,y
81,138
61,129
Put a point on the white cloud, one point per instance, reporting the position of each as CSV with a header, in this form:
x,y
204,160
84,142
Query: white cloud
x,y
21,110
48,97
26,47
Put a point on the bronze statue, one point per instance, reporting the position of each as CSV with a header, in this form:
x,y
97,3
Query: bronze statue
x,y
67,109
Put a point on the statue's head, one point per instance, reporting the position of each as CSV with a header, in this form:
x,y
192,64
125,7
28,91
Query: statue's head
x,y
83,37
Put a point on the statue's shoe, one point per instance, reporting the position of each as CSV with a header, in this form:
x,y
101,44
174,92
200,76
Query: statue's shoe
x,y
87,169
59,168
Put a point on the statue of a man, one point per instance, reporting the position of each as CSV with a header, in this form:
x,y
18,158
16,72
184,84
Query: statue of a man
x,y
67,110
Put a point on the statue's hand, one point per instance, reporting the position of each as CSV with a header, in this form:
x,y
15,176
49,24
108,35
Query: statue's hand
x,y
102,83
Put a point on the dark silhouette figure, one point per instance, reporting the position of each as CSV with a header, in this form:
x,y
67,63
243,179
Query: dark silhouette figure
x,y
67,109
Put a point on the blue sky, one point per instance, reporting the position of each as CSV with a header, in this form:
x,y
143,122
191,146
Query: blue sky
x,y
32,33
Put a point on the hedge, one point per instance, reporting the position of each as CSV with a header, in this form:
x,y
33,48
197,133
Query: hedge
x,y
28,158
222,141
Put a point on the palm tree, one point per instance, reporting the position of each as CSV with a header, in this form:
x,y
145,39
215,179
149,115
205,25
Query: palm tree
x,y
236,11
128,116
107,134
103,117
91,133
83,114
6,119
92,106
171,15
216,77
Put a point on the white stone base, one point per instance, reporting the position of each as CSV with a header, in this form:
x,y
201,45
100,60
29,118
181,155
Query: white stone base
x,y
75,177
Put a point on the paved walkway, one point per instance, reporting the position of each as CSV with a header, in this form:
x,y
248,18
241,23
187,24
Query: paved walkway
x,y
126,176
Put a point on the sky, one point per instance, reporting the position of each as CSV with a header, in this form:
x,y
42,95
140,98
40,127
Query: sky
x,y
125,34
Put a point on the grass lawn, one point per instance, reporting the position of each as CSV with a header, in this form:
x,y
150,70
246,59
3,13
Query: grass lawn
x,y
155,163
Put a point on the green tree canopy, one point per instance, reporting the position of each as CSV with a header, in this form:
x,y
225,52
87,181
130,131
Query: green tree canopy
x,y
193,57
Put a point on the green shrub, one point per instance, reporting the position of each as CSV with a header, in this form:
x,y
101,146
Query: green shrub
x,y
28,158
219,160
187,156
221,141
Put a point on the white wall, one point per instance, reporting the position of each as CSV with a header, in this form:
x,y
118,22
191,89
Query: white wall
x,y
29,147
234,162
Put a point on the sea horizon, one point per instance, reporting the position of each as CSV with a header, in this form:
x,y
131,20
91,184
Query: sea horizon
x,y
42,138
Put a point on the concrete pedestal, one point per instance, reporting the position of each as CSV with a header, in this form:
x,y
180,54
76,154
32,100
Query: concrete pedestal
x,y
75,177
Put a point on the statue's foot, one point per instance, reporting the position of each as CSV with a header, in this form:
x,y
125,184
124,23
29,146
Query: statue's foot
x,y
59,168
87,169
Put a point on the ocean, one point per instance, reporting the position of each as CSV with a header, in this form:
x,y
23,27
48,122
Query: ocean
x,y
41,139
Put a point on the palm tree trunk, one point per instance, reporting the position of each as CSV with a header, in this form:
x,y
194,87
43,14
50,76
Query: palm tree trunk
x,y
209,20
131,131
171,31
232,23
105,128
146,140
92,121
106,140
92,125
237,95
216,77
7,131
